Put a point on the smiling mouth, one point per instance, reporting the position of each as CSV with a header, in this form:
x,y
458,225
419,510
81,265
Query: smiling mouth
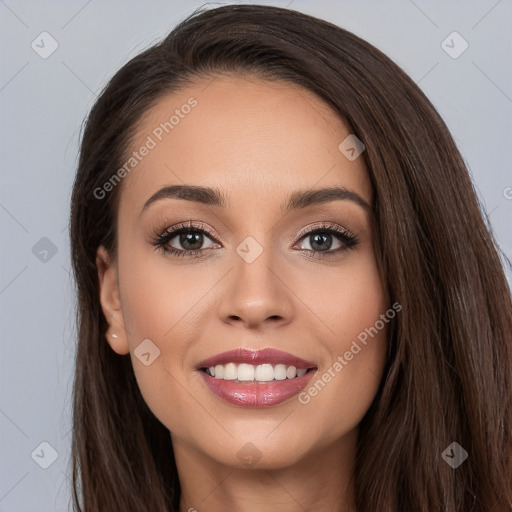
x,y
241,373
255,378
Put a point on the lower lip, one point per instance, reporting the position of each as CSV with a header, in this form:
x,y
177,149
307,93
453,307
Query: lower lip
x,y
256,394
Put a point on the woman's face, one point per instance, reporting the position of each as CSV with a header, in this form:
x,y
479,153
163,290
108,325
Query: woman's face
x,y
269,271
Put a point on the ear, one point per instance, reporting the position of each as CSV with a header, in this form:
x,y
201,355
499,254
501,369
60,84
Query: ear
x,y
111,302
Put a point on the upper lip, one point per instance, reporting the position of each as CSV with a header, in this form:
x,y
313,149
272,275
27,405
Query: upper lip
x,y
256,357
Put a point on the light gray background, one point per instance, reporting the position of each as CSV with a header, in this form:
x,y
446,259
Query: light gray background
x,y
43,103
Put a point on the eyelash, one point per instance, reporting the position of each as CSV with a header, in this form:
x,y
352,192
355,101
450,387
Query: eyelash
x,y
160,240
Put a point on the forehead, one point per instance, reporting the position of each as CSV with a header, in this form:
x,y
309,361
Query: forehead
x,y
247,137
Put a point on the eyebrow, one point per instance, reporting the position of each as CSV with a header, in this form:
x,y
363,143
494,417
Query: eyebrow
x,y
297,200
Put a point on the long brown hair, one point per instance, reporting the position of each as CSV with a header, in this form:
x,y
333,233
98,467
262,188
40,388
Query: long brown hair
x,y
448,375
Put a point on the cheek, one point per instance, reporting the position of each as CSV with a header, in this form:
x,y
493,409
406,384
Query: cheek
x,y
159,297
350,302
165,303
347,299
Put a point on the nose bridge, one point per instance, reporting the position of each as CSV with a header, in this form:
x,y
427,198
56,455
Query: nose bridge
x,y
255,292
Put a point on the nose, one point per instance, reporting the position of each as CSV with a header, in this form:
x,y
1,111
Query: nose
x,y
256,294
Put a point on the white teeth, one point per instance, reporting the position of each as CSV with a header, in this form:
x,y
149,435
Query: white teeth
x,y
260,373
280,372
219,371
230,371
264,373
245,372
291,372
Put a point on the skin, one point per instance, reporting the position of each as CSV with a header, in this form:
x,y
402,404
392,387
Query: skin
x,y
257,142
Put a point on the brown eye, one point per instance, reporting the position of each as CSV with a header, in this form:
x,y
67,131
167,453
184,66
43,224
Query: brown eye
x,y
188,240
329,240
320,242
191,241
185,240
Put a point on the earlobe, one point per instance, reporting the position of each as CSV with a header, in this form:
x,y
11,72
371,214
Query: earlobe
x,y
111,302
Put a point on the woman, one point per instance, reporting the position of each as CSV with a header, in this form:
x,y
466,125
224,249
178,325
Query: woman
x,y
288,298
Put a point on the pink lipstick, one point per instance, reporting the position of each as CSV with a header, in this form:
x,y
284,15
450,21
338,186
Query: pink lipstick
x,y
255,378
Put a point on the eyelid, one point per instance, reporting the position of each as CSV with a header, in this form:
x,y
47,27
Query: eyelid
x,y
186,226
324,225
345,236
